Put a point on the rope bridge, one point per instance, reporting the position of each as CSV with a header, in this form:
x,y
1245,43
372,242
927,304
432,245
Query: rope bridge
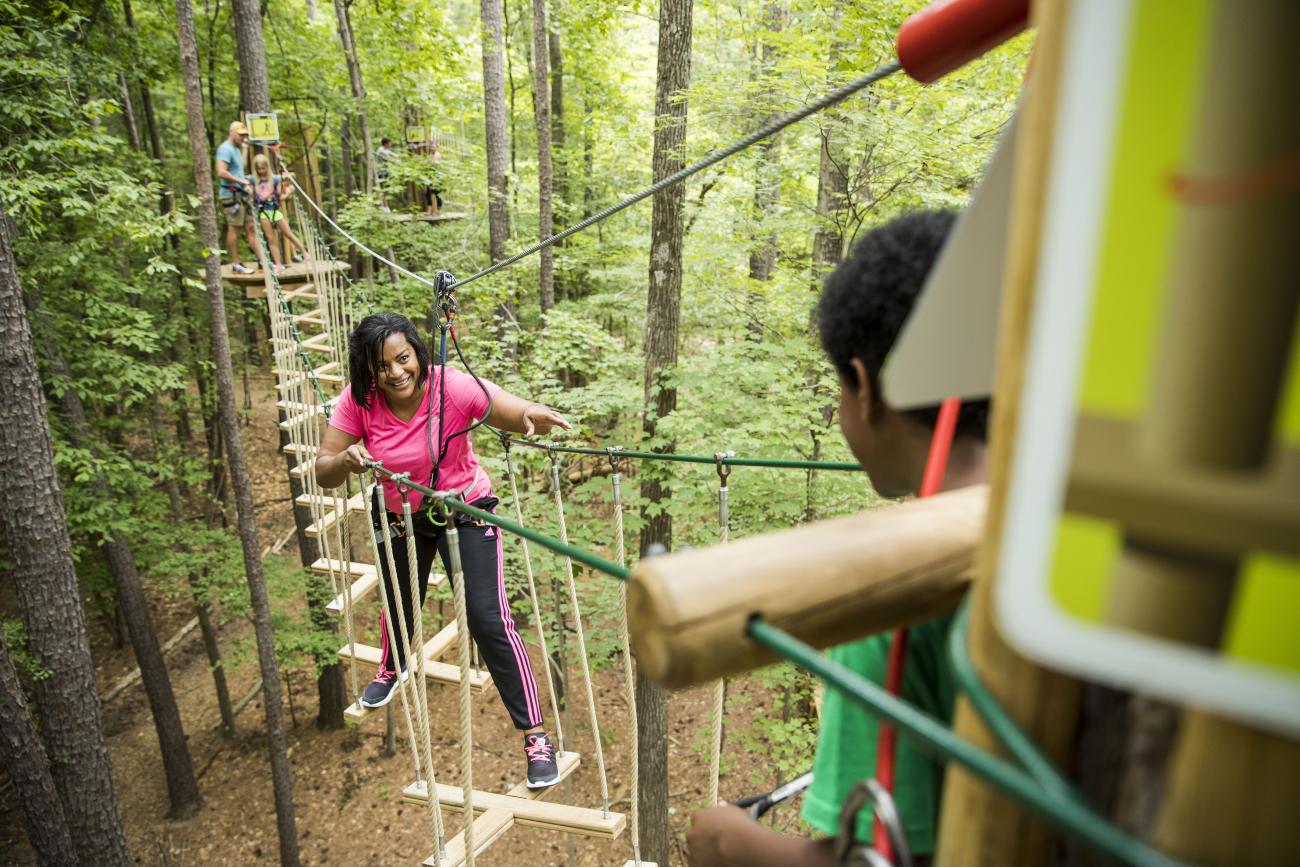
x,y
304,365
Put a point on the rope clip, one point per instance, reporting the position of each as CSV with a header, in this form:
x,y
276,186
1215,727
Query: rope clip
x,y
724,468
615,461
445,286
437,512
849,852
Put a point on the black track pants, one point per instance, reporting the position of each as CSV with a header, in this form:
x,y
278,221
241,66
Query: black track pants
x,y
486,603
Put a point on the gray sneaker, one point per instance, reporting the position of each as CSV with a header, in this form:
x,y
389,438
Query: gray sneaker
x,y
542,769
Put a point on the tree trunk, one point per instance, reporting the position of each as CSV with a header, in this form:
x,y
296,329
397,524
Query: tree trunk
x,y
767,179
128,113
663,315
358,89
254,83
34,532
545,174
28,768
281,777
561,205
494,120
178,767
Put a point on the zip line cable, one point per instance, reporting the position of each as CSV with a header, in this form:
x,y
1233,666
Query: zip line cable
x,y
767,131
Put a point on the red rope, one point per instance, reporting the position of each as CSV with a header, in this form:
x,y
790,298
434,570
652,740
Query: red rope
x,y
936,463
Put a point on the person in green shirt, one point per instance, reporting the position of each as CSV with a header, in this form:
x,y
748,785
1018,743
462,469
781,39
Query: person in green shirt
x,y
863,307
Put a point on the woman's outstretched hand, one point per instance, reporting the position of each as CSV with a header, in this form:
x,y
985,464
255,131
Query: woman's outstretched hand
x,y
539,419
355,458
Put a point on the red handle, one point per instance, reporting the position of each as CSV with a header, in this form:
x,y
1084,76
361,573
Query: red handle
x,y
949,33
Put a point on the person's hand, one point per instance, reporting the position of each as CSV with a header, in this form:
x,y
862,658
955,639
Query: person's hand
x,y
716,832
355,457
539,419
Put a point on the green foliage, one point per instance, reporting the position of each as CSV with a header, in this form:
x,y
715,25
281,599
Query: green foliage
x,y
15,637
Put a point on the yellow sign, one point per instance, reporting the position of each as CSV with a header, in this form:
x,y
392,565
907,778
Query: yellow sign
x,y
263,128
416,134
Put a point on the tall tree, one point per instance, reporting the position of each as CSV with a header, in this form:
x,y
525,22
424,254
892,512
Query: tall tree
x,y
34,532
178,767
281,777
24,760
545,175
254,83
494,122
767,178
341,13
663,316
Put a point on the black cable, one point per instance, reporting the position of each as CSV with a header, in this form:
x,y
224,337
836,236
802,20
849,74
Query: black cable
x,y
833,98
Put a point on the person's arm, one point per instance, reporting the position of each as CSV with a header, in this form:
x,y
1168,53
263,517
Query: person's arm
x,y
340,453
223,172
725,836
521,416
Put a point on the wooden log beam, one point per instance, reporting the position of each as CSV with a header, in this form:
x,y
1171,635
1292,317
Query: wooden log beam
x,y
825,583
433,669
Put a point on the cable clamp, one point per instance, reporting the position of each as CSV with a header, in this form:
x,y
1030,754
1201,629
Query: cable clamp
x,y
615,461
445,287
724,469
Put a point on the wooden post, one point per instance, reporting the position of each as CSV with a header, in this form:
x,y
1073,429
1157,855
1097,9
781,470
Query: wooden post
x,y
980,826
825,583
1223,356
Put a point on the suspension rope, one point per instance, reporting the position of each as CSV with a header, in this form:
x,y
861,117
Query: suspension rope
x,y
720,687
397,632
466,718
729,460
582,640
766,131
532,595
629,679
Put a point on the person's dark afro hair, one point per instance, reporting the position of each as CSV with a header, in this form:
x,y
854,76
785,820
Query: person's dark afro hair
x,y
867,299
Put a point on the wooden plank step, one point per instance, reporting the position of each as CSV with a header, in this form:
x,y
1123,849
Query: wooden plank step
x,y
489,826
433,669
527,811
366,580
567,762
295,420
320,342
315,317
295,449
355,503
326,523
323,378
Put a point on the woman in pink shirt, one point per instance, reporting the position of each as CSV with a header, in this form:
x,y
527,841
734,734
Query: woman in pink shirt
x,y
414,418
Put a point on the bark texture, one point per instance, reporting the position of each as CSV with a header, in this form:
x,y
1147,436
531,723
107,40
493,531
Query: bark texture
x,y
281,778
358,88
663,315
494,121
34,532
254,83
24,761
545,171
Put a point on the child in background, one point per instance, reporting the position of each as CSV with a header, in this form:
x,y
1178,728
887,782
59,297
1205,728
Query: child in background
x,y
266,202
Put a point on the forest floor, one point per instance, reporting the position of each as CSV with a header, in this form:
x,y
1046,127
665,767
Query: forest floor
x,y
347,792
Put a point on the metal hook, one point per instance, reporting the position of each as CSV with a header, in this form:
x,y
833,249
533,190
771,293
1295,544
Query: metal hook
x,y
724,469
614,460
848,851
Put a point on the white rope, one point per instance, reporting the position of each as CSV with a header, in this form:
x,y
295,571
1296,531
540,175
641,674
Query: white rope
x,y
397,631
719,686
629,679
582,641
345,233
532,595
466,719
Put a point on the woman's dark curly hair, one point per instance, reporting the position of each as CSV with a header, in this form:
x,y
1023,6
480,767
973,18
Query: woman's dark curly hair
x,y
868,298
366,347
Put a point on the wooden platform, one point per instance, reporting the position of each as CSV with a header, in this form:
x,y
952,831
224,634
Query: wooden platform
x,y
254,285
356,503
440,217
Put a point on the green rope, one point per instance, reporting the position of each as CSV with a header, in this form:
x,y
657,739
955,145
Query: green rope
x,y
995,716
1068,813
776,463
453,501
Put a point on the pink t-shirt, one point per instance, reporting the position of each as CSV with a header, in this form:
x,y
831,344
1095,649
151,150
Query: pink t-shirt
x,y
403,447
